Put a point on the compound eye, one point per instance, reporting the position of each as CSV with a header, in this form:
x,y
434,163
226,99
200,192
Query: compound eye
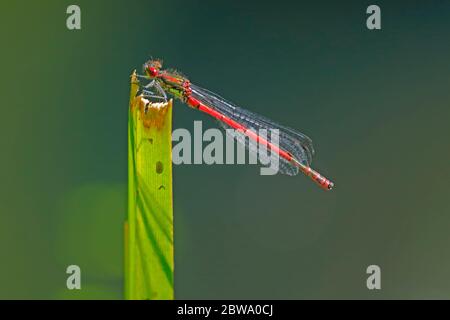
x,y
152,71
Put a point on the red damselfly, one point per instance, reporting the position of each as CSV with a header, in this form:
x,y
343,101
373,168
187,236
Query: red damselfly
x,y
294,149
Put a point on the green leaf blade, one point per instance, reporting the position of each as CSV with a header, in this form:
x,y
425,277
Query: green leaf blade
x,y
149,261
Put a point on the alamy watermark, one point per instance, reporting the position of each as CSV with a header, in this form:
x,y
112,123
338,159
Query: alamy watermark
x,y
373,21
73,281
214,146
373,281
73,21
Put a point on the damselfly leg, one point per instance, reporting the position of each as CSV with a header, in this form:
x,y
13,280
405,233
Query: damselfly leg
x,y
157,93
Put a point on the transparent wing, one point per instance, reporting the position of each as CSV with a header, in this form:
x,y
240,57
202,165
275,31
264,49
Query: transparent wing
x,y
296,143
285,167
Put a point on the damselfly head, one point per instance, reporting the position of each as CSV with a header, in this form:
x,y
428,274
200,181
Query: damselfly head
x,y
152,67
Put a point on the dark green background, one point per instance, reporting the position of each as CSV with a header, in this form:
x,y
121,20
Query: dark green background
x,y
376,104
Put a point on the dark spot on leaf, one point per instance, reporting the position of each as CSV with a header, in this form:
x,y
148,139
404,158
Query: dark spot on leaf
x,y
151,140
159,167
161,187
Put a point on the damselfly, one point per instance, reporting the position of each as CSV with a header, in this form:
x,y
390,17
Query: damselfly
x,y
294,149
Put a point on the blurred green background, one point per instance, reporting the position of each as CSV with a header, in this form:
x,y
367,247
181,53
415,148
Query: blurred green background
x,y
376,104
